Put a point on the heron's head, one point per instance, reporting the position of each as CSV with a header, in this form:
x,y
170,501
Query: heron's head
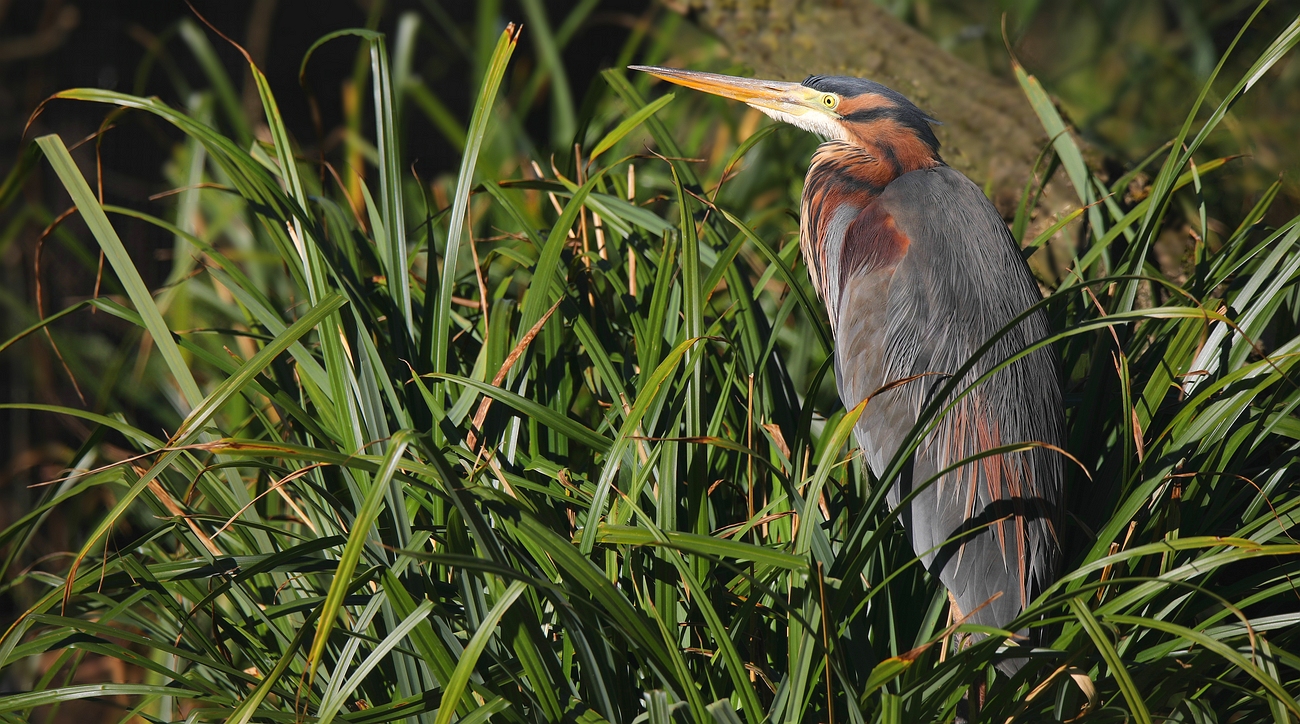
x,y
854,110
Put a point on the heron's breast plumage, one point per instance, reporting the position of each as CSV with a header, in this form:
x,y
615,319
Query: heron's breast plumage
x,y
842,180
921,277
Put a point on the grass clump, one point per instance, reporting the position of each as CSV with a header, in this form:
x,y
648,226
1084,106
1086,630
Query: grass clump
x,y
566,450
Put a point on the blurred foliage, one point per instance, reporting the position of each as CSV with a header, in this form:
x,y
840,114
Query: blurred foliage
x,y
1126,72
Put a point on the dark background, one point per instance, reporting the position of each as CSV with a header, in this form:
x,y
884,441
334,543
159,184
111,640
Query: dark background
x,y
51,45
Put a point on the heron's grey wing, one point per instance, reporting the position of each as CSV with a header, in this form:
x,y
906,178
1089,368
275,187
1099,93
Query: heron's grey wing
x,y
928,274
865,264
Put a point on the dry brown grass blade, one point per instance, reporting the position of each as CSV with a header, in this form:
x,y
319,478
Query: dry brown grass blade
x,y
472,436
175,509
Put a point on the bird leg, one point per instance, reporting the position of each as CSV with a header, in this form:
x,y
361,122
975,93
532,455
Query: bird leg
x,y
954,615
974,704
947,636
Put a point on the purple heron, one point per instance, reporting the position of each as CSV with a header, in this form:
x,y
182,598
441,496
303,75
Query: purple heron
x,y
917,271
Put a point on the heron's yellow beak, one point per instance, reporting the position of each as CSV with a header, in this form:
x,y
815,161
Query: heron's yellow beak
x,y
781,97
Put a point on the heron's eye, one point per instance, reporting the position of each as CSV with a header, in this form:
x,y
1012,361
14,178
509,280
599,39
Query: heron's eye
x,y
830,100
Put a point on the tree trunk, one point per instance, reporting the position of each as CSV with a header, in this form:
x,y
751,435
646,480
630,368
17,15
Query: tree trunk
x,y
989,131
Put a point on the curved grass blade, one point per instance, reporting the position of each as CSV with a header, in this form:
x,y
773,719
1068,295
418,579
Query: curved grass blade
x,y
245,712
391,241
623,443
1270,683
204,411
42,324
701,545
628,125
330,708
571,429
1137,707
773,258
538,299
1066,149
1161,188
32,699
436,337
115,252
465,667
362,527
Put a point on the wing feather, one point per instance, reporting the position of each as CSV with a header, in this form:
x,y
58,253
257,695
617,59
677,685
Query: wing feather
x,y
928,274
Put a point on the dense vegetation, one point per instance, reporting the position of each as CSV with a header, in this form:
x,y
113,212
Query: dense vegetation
x,y
557,440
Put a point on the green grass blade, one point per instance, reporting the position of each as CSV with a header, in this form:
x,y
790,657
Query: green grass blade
x,y
30,700
531,408
592,582
436,333
215,70
330,708
623,442
469,659
885,672
245,712
539,299
1161,188
207,407
628,125
702,545
773,258
563,117
621,87
1137,707
125,269
1270,683
1066,149
362,528
392,242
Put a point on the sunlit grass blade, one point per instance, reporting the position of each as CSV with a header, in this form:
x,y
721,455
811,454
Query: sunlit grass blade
x,y
1161,188
357,538
1137,707
391,245
436,334
628,125
1066,149
536,410
203,411
331,707
1270,683
31,700
465,667
123,266
623,442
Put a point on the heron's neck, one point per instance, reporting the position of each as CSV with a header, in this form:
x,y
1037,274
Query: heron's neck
x,y
843,179
857,170
896,149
